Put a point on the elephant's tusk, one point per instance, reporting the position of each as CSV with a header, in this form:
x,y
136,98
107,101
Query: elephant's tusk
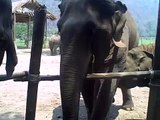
x,y
119,43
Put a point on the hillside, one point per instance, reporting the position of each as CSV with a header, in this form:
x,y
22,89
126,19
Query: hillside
x,y
144,12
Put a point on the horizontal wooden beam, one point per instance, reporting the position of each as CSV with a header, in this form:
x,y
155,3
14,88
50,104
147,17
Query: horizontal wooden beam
x,y
20,75
23,76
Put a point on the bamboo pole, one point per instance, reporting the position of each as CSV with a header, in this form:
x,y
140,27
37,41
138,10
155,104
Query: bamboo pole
x,y
23,76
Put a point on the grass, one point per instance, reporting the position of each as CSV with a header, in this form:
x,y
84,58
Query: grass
x,y
146,40
20,43
143,40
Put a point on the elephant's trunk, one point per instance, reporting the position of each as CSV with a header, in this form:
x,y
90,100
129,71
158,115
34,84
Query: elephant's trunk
x,y
73,70
75,56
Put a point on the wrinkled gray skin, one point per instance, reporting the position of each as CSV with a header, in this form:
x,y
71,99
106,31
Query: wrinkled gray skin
x,y
6,40
139,59
87,29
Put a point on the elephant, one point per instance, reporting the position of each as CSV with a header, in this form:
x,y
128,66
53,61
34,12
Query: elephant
x,y
138,59
6,38
95,37
54,43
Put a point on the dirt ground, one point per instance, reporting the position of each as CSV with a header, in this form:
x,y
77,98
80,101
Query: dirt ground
x,y
13,95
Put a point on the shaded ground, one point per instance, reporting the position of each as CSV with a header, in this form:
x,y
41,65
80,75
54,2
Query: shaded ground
x,y
13,95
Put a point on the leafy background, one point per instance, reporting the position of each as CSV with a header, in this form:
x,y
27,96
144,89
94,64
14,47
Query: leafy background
x,y
145,13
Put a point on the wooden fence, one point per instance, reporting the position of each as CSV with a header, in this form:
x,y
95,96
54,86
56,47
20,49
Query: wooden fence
x,y
33,77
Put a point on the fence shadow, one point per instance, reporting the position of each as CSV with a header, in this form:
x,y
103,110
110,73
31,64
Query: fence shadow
x,y
57,112
114,112
11,116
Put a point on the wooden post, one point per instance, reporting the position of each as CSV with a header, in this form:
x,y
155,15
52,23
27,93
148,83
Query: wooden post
x,y
14,29
154,96
45,45
28,33
37,42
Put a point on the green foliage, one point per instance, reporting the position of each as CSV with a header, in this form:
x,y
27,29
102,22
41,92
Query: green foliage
x,y
146,40
45,44
21,31
20,43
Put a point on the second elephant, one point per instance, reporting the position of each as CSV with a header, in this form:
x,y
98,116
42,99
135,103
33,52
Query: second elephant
x,y
54,44
138,59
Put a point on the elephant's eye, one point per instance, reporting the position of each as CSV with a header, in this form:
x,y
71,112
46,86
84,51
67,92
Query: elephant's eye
x,y
141,58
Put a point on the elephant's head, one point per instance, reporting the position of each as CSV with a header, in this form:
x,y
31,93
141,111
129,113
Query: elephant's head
x,y
139,59
87,27
6,38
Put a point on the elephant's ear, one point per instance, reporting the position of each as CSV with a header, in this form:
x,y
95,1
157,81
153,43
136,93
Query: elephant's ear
x,y
149,50
121,33
120,6
150,55
119,24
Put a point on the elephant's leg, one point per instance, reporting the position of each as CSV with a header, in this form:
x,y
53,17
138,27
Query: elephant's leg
x,y
55,49
52,49
88,91
1,56
88,95
103,99
127,99
51,46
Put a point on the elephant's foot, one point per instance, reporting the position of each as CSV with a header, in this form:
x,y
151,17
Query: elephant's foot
x,y
128,105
